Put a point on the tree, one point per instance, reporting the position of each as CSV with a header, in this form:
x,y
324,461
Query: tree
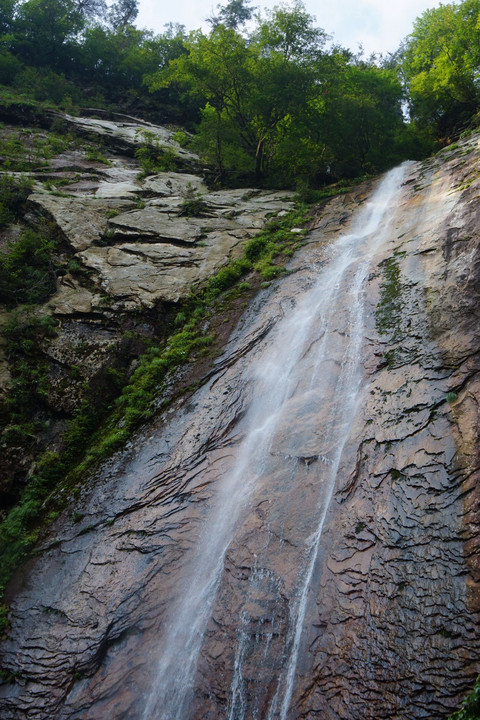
x,y
46,32
216,70
360,117
233,15
441,65
7,13
122,13
291,32
92,8
257,86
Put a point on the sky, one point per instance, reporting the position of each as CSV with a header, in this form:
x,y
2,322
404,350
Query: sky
x,y
378,25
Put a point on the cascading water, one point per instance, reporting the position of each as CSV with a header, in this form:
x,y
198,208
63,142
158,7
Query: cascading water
x,y
315,361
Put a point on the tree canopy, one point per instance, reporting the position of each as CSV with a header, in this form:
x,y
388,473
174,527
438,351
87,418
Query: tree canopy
x,y
277,104
268,96
441,66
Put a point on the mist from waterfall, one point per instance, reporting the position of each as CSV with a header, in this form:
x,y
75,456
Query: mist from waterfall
x,y
314,335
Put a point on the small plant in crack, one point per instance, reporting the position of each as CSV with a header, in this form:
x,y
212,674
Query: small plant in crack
x,y
193,204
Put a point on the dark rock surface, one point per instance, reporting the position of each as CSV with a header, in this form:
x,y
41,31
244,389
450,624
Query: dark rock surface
x,y
390,627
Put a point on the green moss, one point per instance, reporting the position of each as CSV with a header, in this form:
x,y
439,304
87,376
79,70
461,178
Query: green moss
x,y
390,306
97,429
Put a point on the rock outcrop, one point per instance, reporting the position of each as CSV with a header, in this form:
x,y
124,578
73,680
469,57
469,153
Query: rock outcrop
x,y
389,616
131,252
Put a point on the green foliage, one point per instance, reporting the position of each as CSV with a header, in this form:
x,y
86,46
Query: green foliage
x,y
361,118
23,333
272,102
182,138
4,621
27,270
94,154
389,309
13,194
470,709
10,67
193,207
234,14
46,85
45,32
193,204
122,405
440,64
278,106
154,157
227,277
218,142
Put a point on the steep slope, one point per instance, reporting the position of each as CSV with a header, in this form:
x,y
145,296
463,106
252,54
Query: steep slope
x,y
299,537
124,241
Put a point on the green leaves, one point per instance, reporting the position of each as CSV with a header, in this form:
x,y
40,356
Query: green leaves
x,y
279,107
441,63
470,709
27,273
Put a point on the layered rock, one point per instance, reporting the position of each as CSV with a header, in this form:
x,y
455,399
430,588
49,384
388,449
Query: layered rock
x,y
129,255
390,624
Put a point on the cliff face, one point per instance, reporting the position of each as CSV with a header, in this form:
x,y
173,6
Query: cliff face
x,y
130,242
298,538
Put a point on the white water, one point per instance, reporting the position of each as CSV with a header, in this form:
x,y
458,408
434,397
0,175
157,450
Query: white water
x,y
310,327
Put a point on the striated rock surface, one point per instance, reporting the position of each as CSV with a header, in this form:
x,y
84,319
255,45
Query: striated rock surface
x,y
128,132
308,533
137,241
126,255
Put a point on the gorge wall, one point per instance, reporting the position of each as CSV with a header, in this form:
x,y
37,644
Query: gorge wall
x,y
127,249
298,538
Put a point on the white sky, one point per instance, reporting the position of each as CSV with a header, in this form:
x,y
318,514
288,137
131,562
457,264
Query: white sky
x,y
379,25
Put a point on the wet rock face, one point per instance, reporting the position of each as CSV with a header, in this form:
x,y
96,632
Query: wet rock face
x,y
382,618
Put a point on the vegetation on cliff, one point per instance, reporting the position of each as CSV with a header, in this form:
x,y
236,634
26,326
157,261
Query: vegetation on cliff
x,y
270,102
470,709
268,95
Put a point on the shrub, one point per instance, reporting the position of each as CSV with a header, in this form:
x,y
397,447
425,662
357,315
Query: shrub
x,y
13,195
86,441
193,207
10,67
27,271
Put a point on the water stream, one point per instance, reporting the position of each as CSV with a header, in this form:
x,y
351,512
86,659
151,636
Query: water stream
x,y
317,358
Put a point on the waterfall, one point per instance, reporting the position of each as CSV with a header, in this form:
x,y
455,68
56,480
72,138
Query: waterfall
x,y
316,356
